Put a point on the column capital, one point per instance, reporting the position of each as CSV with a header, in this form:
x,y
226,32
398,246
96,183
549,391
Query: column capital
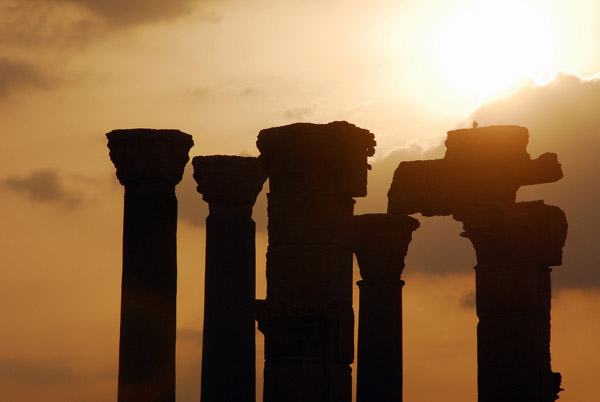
x,y
380,243
229,181
525,232
325,158
143,153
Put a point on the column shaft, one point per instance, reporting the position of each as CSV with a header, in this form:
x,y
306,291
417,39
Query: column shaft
x,y
148,298
379,360
228,350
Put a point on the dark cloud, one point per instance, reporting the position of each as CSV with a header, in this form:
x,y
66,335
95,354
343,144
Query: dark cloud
x,y
36,373
191,208
15,76
77,22
189,335
135,12
51,373
468,300
44,186
563,116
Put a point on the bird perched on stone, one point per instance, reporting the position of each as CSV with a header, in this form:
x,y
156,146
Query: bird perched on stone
x,y
475,124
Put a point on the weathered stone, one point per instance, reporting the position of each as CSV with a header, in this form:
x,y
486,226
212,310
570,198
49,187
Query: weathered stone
x,y
323,158
230,184
483,167
149,163
307,318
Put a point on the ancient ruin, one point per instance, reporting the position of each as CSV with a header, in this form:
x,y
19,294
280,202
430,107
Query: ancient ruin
x,y
515,244
307,318
230,185
149,164
380,244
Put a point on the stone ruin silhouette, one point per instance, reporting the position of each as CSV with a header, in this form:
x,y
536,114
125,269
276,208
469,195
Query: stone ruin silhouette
x,y
314,172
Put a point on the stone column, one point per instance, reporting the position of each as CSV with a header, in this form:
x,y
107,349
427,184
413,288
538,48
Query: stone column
x,y
515,246
380,244
230,185
149,164
314,171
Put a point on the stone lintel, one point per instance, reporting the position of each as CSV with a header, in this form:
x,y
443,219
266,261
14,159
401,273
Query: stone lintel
x,y
327,158
525,232
503,142
149,154
380,243
483,167
228,183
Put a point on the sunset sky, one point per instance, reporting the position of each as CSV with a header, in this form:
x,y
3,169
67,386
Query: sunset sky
x,y
221,70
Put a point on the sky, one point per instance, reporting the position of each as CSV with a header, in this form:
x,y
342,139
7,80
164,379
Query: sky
x,y
221,70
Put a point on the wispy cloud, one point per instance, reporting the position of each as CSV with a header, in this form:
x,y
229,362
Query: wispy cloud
x,y
43,186
15,76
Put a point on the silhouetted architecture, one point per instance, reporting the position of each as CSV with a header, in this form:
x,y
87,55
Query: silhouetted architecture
x,y
314,171
380,244
230,185
149,164
515,243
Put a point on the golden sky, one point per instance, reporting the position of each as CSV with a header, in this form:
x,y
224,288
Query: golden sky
x,y
221,70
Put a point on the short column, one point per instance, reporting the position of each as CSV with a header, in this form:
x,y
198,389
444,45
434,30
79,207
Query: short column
x,y
149,164
380,245
230,185
314,171
515,246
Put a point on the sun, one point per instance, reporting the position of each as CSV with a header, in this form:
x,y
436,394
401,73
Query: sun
x,y
490,46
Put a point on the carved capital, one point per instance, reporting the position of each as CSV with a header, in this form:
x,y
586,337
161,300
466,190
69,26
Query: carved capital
x,y
142,153
525,232
229,180
380,243
326,158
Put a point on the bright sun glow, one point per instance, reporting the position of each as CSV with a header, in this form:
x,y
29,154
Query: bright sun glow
x,y
491,45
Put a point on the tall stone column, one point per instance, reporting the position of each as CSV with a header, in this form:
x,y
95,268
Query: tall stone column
x,y
149,164
380,244
314,171
230,185
515,247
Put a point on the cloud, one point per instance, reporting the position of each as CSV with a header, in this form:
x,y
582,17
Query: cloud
x,y
189,335
562,116
77,22
16,75
191,208
135,12
298,113
35,373
43,186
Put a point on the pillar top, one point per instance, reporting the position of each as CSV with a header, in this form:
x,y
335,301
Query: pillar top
x,y
143,153
325,158
224,179
380,243
483,167
525,232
